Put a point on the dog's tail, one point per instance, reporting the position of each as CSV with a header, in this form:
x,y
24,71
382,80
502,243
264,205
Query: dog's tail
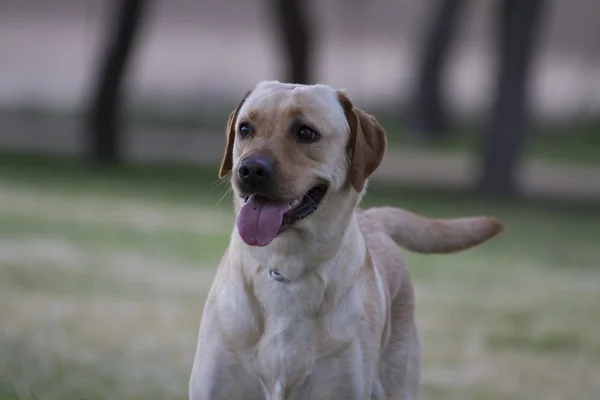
x,y
424,235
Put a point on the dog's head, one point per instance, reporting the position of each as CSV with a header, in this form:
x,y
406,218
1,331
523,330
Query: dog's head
x,y
294,150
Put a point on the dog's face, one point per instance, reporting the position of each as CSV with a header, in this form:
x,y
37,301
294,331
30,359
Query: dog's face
x,y
291,149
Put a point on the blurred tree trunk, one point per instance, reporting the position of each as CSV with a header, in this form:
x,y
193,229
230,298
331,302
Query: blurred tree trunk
x,y
428,116
504,136
105,108
291,19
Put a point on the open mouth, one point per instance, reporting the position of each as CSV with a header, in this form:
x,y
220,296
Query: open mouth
x,y
260,219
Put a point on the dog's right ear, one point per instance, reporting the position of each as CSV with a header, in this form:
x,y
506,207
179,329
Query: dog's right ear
x,y
227,162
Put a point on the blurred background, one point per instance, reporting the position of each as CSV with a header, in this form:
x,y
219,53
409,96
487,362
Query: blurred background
x,y
112,219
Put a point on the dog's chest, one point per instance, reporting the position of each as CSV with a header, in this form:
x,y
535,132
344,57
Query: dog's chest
x,y
302,325
280,330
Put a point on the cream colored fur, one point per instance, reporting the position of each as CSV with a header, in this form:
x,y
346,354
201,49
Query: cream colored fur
x,y
342,327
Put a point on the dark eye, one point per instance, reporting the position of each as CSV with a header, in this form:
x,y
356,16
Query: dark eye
x,y
245,129
305,134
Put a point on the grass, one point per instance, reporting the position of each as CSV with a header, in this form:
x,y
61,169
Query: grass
x,y
103,272
571,141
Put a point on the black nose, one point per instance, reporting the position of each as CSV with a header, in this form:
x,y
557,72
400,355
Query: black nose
x,y
255,171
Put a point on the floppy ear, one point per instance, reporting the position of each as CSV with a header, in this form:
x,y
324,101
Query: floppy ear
x,y
227,162
367,143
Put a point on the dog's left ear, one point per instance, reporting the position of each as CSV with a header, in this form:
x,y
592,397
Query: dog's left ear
x,y
227,162
367,143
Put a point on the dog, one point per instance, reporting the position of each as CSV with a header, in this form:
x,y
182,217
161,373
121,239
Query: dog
x,y
311,299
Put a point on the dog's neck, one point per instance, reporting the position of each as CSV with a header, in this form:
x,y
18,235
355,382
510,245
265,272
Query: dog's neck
x,y
314,245
299,253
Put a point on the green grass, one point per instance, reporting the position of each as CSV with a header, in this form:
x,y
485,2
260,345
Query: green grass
x,y
573,141
103,273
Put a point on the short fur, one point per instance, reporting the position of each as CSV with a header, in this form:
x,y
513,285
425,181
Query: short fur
x,y
342,326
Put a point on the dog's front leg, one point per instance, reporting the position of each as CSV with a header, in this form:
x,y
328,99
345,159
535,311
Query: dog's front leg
x,y
218,374
344,376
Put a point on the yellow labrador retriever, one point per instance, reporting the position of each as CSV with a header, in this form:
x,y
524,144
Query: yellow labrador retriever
x,y
312,299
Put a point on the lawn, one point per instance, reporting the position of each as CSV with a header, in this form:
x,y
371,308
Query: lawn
x,y
103,273
571,141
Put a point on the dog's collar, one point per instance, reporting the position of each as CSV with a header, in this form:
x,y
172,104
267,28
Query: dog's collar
x,y
274,273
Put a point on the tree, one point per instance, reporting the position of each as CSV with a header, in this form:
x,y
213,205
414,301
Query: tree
x,y
104,112
504,136
291,19
428,115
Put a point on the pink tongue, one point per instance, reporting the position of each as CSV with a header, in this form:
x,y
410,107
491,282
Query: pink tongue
x,y
259,220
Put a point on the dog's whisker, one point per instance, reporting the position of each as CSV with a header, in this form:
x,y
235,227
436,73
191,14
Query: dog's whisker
x,y
220,181
313,201
229,190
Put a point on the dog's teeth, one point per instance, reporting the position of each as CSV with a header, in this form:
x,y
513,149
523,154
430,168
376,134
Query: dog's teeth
x,y
294,203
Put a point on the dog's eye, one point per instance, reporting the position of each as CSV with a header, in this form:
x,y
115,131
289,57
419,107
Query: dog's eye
x,y
305,134
245,129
